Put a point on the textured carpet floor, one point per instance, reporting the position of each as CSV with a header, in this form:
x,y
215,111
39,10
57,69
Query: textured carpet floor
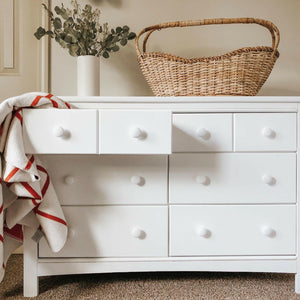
x,y
212,286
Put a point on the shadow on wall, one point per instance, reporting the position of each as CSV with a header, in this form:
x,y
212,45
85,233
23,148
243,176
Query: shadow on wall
x,y
126,67
114,3
268,91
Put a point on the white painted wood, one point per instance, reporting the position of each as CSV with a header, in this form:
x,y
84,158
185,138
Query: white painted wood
x,y
177,258
297,283
118,132
202,132
234,230
107,232
237,100
232,178
172,264
108,179
265,132
186,107
30,278
77,131
297,277
261,237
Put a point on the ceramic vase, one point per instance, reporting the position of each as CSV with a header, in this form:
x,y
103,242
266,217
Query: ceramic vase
x,y
88,75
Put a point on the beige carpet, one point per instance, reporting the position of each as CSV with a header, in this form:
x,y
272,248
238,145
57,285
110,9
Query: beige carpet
x,y
153,285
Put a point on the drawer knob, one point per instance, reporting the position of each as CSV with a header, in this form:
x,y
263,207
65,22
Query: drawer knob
x,y
69,180
268,231
137,133
203,133
203,180
269,133
268,179
203,232
58,131
137,180
138,233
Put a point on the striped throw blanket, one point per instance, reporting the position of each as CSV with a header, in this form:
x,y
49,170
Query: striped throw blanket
x,y
28,198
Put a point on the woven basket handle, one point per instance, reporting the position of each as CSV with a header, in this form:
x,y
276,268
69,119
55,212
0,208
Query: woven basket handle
x,y
269,25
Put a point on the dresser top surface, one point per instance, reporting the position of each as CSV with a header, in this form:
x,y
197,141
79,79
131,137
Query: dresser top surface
x,y
157,100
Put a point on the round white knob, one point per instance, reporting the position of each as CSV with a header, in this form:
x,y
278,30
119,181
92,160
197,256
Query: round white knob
x,y
268,132
203,232
69,180
58,131
202,180
138,180
268,231
138,233
137,133
203,133
268,179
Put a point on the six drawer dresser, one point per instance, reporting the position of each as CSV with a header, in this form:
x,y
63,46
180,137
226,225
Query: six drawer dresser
x,y
169,184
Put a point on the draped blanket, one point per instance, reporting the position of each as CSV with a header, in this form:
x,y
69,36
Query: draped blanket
x,y
28,198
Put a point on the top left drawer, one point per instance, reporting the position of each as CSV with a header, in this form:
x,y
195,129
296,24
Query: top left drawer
x,y
48,131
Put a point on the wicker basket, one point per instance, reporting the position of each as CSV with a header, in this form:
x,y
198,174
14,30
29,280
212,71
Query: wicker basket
x,y
238,73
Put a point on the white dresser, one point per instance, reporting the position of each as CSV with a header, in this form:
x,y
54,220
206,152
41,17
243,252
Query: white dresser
x,y
170,184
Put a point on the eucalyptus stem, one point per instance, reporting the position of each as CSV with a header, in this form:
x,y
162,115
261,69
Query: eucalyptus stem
x,y
78,29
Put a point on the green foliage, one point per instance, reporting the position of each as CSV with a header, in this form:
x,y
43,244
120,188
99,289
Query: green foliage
x,y
79,31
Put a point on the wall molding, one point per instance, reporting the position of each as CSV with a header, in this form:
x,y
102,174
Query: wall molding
x,y
44,50
9,33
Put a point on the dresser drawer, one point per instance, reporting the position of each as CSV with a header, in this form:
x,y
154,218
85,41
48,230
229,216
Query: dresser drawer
x,y
135,132
265,132
108,179
113,231
233,178
232,230
202,132
60,131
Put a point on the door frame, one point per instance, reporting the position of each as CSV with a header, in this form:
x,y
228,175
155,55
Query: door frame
x,y
44,51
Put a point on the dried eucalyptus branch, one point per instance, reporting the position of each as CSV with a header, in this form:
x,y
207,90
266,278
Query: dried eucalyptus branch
x,y
80,32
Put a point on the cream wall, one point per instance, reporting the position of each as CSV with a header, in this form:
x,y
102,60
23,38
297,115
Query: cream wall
x,y
120,75
22,62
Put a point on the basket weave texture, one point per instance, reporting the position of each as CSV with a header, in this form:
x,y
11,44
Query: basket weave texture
x,y
241,72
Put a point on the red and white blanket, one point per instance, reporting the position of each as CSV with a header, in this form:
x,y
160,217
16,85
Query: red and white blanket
x,y
29,198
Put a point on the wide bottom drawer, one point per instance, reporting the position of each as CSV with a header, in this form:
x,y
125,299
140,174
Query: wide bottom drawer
x,y
204,230
113,231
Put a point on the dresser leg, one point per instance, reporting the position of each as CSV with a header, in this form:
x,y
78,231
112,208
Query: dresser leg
x,y
297,283
30,282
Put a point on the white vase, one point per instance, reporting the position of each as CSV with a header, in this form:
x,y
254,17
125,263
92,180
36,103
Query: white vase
x,y
88,75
